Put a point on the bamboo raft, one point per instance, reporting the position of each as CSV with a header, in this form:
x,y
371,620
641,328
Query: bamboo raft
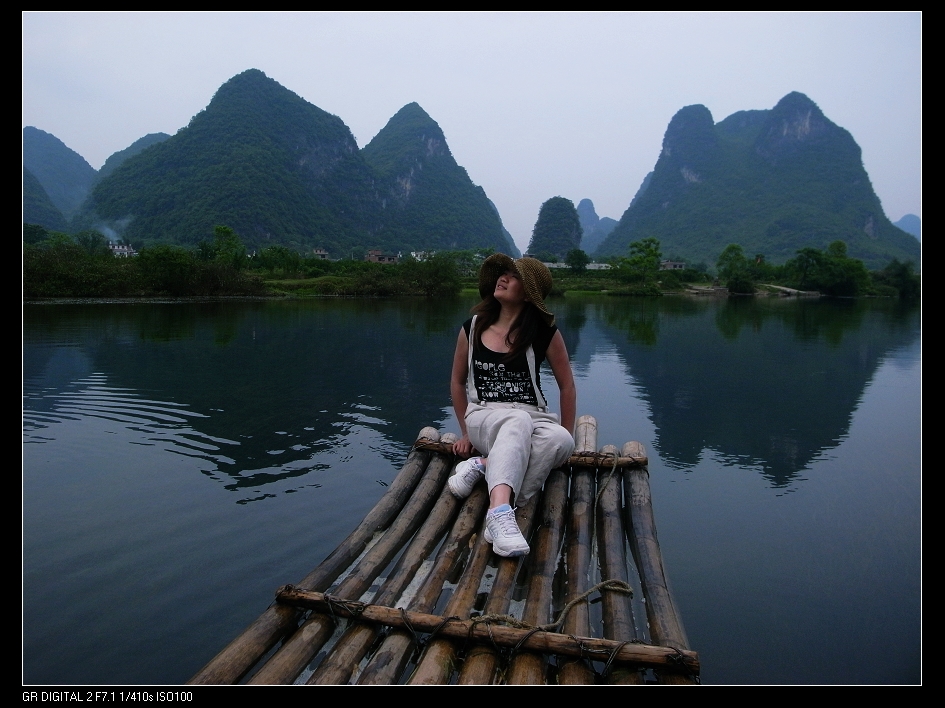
x,y
448,610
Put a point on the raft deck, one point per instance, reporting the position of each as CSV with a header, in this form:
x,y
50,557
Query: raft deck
x,y
415,595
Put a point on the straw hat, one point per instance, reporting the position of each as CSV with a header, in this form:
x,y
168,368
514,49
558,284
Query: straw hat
x,y
535,277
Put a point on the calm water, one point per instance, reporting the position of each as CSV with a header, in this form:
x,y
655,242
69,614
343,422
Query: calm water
x,y
182,461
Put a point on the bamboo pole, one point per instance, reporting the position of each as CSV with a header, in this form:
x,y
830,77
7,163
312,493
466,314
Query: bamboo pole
x,y
350,649
299,649
436,663
585,458
388,663
665,625
578,552
612,554
241,654
344,656
481,662
528,667
460,630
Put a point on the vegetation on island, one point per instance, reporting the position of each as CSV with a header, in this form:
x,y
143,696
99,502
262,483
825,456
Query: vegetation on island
x,y
557,230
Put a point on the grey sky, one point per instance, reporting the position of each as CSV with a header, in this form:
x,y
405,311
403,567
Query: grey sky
x,y
533,105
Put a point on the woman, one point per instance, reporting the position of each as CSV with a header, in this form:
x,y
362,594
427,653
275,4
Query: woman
x,y
497,394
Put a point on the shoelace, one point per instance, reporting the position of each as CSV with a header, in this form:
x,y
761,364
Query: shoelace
x,y
505,520
473,473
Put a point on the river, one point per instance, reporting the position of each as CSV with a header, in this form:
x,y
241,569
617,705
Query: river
x,y
182,460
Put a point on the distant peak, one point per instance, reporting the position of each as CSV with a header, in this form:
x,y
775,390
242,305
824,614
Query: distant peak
x,y
795,121
251,74
796,99
689,134
413,112
248,82
796,106
587,214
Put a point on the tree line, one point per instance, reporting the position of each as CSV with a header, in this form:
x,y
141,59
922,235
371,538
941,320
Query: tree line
x,y
82,265
830,272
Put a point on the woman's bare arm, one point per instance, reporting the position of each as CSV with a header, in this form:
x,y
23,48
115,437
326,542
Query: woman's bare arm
x,y
560,363
461,447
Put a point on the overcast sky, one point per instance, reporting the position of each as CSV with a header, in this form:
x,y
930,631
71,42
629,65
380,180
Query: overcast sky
x,y
533,105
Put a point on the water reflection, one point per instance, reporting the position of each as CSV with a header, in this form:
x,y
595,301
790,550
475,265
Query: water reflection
x,y
268,392
183,460
766,383
273,391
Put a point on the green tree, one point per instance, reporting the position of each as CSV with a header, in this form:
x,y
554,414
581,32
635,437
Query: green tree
x,y
434,276
281,258
643,265
831,272
735,270
93,242
577,260
34,233
167,269
228,248
902,277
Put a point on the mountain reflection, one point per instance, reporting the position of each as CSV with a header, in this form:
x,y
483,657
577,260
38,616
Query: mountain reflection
x,y
764,382
280,388
260,392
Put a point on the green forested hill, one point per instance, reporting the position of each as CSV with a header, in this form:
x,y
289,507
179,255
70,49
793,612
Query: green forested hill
x,y
557,231
259,159
773,181
117,158
38,207
64,174
595,228
279,170
428,202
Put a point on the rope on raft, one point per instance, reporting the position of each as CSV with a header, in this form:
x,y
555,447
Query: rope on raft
x,y
354,609
582,459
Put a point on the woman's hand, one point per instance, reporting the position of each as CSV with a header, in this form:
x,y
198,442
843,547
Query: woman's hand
x,y
462,447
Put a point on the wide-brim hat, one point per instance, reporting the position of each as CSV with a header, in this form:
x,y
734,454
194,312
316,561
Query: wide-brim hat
x,y
535,277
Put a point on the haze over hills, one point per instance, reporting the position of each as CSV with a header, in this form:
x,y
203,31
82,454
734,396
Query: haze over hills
x,y
279,170
38,207
427,199
596,228
115,159
911,224
557,231
773,181
63,173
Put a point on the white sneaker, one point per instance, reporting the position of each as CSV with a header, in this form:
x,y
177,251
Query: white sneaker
x,y
503,533
468,472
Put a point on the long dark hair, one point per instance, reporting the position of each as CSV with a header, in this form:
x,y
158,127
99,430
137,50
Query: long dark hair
x,y
521,334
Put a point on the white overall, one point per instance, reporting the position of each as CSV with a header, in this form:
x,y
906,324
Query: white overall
x,y
523,442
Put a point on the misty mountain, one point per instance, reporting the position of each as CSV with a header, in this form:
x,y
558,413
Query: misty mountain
x,y
38,207
773,181
279,170
911,224
115,159
63,173
557,230
428,202
596,228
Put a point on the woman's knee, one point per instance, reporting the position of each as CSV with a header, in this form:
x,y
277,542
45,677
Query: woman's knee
x,y
552,440
514,422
